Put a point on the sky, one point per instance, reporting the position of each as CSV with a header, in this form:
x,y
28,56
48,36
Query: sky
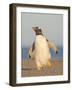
x,y
51,25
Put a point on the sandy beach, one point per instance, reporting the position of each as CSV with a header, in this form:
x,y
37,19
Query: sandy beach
x,y
29,69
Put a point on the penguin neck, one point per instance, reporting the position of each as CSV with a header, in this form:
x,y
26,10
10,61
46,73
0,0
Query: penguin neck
x,y
38,37
39,34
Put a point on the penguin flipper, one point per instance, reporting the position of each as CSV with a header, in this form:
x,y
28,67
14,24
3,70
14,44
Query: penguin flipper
x,y
49,44
33,46
31,50
52,45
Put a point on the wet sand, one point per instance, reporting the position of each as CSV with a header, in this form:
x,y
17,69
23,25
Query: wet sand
x,y
29,69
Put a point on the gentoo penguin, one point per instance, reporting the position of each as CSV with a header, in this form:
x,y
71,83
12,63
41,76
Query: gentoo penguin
x,y
40,49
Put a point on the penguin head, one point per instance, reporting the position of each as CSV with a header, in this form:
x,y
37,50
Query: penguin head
x,y
37,30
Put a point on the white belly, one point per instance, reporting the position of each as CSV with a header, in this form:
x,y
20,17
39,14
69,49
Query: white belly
x,y
42,53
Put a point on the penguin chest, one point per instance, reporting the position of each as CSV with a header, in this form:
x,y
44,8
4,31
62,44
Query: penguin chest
x,y
42,53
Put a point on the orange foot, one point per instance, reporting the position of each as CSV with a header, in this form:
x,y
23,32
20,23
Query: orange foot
x,y
49,64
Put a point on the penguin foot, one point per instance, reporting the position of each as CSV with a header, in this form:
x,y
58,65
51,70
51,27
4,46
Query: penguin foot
x,y
49,64
38,68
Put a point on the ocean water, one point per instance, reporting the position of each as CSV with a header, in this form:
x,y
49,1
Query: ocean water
x,y
59,55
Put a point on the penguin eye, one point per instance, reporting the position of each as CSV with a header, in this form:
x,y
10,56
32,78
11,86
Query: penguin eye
x,y
39,30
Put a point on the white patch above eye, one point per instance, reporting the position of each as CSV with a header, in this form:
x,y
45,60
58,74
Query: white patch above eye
x,y
39,28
